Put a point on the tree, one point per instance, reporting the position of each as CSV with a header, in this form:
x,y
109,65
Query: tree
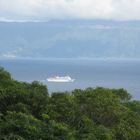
x,y
22,125
99,104
28,112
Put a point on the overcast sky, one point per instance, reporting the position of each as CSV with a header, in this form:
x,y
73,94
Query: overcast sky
x,y
67,9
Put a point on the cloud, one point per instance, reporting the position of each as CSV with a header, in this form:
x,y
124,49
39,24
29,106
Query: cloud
x,y
126,9
19,20
86,9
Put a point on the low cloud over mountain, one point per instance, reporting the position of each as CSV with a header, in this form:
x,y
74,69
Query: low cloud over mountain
x,y
73,38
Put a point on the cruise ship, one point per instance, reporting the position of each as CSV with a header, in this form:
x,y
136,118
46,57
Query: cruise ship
x,y
60,79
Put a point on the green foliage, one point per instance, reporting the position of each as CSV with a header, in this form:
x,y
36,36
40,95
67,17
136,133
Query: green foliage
x,y
27,112
4,75
11,137
128,127
5,78
99,104
58,131
123,95
61,107
134,106
22,125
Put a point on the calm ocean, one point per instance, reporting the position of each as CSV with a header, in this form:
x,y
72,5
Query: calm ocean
x,y
88,73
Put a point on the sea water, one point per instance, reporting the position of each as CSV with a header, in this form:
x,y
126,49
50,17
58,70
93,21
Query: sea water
x,y
87,72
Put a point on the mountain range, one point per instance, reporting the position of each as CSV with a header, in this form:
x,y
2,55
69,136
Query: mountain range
x,y
70,39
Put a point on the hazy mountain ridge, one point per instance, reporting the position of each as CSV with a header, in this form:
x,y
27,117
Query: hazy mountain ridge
x,y
73,38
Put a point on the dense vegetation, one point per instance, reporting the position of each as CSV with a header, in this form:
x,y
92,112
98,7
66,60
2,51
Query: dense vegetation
x,y
28,112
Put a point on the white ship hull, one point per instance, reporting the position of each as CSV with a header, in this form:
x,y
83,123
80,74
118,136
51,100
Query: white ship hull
x,y
60,79
53,80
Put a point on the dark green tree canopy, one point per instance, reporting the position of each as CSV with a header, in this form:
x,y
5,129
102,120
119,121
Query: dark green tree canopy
x,y
28,112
